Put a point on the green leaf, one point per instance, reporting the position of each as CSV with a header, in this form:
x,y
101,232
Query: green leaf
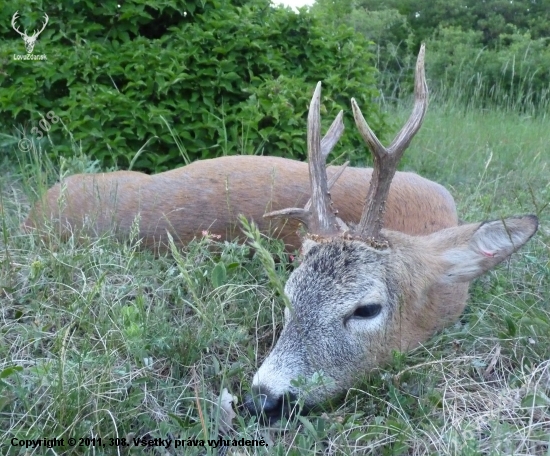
x,y
536,400
232,266
219,275
9,371
511,325
308,426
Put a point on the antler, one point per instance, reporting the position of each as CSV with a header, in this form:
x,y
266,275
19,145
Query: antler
x,y
43,26
318,214
13,19
386,160
16,16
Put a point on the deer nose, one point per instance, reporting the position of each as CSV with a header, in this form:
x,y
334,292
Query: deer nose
x,y
262,402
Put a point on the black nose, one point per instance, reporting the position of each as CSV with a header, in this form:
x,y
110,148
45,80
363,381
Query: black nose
x,y
262,402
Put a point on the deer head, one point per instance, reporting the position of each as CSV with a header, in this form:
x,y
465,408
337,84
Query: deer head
x,y
362,291
30,41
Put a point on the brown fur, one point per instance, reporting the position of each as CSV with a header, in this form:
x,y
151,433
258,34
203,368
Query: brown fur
x,y
430,304
210,194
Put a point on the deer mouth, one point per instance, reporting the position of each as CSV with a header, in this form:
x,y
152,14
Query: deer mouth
x,y
270,408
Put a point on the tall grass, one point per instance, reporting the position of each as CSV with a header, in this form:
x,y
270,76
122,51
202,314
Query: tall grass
x,y
462,72
493,161
479,91
102,339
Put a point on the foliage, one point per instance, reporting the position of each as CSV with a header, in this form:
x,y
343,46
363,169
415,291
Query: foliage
x,y
333,10
225,77
489,52
392,34
514,75
491,17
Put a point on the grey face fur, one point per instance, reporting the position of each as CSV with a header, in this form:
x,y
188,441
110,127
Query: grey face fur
x,y
324,330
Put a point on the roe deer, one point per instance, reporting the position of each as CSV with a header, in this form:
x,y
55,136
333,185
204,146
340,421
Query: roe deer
x,y
210,194
362,291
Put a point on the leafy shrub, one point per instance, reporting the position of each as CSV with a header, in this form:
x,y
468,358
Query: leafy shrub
x,y
491,17
226,77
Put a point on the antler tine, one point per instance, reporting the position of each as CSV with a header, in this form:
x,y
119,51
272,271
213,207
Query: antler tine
x,y
322,219
318,214
327,144
386,160
333,135
296,212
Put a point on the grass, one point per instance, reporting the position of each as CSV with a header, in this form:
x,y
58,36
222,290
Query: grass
x,y
103,340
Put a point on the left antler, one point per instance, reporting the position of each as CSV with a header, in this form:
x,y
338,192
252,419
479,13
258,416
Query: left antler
x,y
13,20
43,26
386,160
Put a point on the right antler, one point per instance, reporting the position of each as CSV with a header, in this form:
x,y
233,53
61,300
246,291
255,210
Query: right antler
x,y
386,160
318,214
46,19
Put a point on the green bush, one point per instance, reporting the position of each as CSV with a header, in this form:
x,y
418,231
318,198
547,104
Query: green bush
x,y
225,77
392,37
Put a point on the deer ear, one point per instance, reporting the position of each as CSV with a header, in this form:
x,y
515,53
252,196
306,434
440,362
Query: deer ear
x,y
478,250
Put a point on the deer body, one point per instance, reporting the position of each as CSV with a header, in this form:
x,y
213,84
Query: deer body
x,y
210,194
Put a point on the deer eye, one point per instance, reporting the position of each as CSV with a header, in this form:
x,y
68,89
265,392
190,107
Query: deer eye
x,y
370,311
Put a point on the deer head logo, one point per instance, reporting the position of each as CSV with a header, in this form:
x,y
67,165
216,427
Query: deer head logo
x,y
30,41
